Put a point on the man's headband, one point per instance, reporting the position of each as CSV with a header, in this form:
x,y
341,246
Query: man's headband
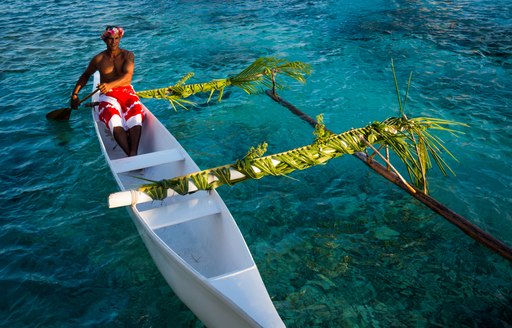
x,y
112,30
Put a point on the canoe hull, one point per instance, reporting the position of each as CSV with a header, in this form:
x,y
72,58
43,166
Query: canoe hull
x,y
209,306
193,239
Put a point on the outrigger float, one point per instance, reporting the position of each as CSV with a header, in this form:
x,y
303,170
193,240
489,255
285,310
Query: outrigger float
x,y
189,232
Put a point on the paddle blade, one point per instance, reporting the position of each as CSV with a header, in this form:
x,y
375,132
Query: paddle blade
x,y
61,114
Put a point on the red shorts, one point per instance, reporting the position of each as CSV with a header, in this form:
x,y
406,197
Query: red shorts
x,y
121,107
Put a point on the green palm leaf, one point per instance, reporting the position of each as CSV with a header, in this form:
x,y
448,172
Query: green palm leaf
x,y
260,74
396,133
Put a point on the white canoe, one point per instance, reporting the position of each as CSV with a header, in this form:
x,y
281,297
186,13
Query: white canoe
x,y
193,239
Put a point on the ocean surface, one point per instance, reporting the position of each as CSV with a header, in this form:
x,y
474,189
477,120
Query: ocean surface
x,y
337,245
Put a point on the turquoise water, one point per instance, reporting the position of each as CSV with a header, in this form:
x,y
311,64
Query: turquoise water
x,y
337,246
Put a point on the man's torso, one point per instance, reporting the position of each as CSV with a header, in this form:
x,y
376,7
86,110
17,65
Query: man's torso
x,y
112,68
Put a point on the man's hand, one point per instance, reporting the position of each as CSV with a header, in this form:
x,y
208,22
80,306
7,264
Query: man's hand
x,y
104,87
74,102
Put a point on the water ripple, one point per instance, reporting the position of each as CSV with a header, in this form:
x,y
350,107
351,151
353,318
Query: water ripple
x,y
336,245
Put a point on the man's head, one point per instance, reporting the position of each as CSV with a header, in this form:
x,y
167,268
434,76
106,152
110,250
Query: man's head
x,y
112,31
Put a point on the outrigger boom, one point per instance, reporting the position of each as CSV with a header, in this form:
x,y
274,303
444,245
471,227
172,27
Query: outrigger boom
x,y
132,197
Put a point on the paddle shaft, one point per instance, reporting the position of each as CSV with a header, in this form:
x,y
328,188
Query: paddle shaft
x,y
88,96
63,114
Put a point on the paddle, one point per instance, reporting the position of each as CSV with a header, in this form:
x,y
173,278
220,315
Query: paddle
x,y
63,114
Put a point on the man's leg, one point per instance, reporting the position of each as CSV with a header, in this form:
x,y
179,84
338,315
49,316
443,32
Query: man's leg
x,y
110,114
121,138
134,137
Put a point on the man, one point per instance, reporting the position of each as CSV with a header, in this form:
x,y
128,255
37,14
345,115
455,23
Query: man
x,y
119,107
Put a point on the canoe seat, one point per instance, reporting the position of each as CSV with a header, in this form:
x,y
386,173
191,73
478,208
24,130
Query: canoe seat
x,y
146,160
189,208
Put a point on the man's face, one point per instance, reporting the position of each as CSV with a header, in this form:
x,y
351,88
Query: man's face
x,y
112,41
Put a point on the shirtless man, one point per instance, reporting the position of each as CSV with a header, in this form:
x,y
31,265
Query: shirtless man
x,y
119,107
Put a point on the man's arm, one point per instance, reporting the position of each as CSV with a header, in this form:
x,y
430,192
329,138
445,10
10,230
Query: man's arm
x,y
82,81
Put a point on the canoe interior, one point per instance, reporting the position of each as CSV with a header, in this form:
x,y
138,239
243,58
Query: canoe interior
x,y
194,226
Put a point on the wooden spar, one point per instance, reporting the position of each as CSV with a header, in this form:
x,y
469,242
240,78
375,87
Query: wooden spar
x,y
460,222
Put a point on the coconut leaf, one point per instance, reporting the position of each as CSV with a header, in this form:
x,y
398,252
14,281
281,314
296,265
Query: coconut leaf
x,y
253,79
409,139
393,132
200,180
223,174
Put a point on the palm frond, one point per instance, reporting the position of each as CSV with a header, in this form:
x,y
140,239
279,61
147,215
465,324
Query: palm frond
x,y
259,75
393,132
422,146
